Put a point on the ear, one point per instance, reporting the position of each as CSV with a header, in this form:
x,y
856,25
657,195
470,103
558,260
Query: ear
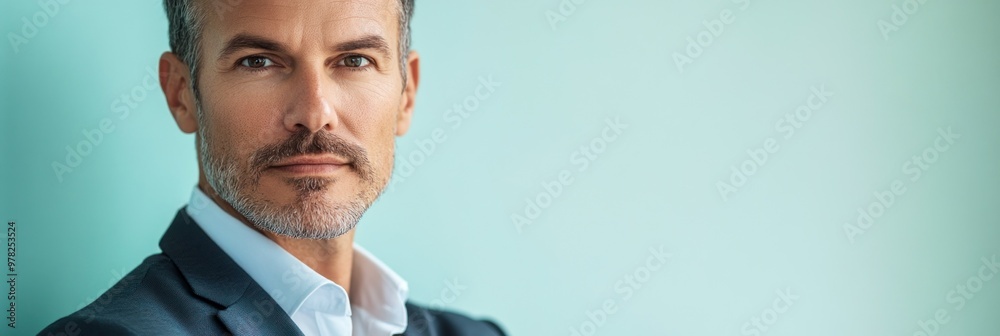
x,y
409,93
175,80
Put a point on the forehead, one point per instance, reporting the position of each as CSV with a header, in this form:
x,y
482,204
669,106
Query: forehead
x,y
300,22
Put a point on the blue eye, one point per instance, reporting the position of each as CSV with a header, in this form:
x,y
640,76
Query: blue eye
x,y
256,62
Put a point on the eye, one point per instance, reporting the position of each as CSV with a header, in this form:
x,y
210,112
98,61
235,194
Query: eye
x,y
256,62
355,61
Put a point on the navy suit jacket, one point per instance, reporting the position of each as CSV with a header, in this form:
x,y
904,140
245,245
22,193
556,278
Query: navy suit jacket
x,y
194,288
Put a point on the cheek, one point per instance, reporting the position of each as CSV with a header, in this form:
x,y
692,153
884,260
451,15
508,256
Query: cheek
x,y
386,144
370,115
238,124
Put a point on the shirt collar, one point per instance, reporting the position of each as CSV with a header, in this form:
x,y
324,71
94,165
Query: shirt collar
x,y
378,291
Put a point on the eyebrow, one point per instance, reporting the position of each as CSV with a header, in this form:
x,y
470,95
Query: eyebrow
x,y
367,42
247,41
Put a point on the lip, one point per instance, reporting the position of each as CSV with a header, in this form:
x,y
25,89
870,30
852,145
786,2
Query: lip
x,y
311,165
311,160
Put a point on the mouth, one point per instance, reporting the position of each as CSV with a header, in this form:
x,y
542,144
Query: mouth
x,y
311,165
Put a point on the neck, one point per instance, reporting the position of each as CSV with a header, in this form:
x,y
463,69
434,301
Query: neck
x,y
331,258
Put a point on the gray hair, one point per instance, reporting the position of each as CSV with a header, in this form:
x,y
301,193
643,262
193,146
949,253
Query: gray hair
x,y
186,21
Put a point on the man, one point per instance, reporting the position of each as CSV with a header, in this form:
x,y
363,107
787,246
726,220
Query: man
x,y
295,106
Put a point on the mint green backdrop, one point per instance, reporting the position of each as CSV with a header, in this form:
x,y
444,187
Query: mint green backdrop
x,y
607,134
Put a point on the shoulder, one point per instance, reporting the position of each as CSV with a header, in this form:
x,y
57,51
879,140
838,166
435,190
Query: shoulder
x,y
436,322
134,305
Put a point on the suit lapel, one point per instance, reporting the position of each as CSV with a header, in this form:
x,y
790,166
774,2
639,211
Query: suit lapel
x,y
214,276
419,322
255,313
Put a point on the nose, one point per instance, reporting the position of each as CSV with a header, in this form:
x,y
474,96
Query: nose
x,y
310,105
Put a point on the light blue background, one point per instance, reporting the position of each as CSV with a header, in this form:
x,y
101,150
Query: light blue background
x,y
655,185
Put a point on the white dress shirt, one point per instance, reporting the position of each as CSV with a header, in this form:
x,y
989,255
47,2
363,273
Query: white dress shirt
x,y
317,305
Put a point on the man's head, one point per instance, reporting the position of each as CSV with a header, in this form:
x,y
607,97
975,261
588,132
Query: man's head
x,y
296,104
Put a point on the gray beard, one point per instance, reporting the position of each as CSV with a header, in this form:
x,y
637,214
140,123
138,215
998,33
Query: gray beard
x,y
309,216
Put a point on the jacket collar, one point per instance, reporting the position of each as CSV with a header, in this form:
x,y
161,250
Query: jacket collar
x,y
248,309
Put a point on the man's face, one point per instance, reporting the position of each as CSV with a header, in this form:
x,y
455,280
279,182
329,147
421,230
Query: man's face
x,y
300,103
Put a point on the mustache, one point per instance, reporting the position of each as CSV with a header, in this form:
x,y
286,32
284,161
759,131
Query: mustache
x,y
305,143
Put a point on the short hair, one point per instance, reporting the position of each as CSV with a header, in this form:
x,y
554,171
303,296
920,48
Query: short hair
x,y
186,21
